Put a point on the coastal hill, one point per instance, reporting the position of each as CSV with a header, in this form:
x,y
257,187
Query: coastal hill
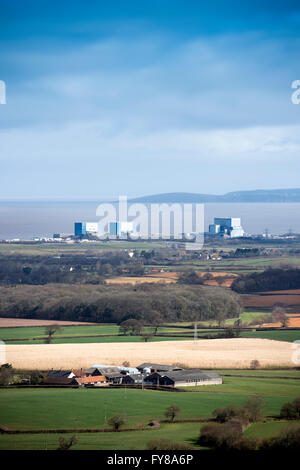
x,y
259,195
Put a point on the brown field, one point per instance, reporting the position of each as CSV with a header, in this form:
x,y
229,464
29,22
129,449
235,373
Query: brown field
x,y
294,322
291,291
270,300
218,353
171,277
139,280
220,274
14,322
224,283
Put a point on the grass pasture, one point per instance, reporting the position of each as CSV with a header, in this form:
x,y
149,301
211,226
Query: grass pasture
x,y
137,440
32,409
270,429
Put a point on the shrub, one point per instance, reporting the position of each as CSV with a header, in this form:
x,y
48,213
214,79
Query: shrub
x,y
164,444
291,410
117,421
221,436
66,444
6,374
230,412
254,409
289,439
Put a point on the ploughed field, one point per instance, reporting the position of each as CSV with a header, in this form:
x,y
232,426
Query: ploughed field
x,y
214,353
25,322
269,299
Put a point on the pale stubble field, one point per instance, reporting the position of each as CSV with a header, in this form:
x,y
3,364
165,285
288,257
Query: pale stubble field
x,y
217,353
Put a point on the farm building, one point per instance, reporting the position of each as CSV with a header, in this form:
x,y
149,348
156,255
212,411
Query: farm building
x,y
123,369
149,367
114,377
60,377
132,379
60,381
91,371
184,378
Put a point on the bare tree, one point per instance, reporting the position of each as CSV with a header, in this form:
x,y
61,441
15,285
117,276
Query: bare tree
x,y
254,364
172,411
146,337
50,332
279,315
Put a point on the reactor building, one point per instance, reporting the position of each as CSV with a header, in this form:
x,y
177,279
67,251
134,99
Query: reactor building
x,y
227,227
86,228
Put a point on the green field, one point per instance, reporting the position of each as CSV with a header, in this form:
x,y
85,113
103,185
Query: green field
x,y
286,373
272,386
108,333
266,430
283,335
242,265
80,248
247,317
38,408
30,408
177,432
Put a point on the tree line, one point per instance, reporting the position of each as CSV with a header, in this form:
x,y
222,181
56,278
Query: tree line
x,y
269,280
151,303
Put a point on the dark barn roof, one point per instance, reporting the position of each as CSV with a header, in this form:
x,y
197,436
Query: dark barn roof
x,y
59,373
60,381
134,378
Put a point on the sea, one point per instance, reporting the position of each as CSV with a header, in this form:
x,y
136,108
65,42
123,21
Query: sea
x,y
26,220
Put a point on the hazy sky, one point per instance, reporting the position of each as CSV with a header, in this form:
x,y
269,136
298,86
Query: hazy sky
x,y
140,97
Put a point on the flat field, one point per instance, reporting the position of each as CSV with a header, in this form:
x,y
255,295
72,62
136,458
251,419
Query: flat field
x,y
215,353
269,300
32,409
25,322
137,440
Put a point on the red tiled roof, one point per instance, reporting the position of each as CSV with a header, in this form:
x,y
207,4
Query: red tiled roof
x,y
79,372
91,379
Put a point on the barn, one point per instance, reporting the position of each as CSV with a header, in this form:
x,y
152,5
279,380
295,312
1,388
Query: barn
x,y
184,378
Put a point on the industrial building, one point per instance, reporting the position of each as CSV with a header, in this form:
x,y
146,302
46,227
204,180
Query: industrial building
x,y
118,229
86,228
79,229
227,227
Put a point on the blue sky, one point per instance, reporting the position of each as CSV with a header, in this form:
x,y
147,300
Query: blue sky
x,y
108,98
